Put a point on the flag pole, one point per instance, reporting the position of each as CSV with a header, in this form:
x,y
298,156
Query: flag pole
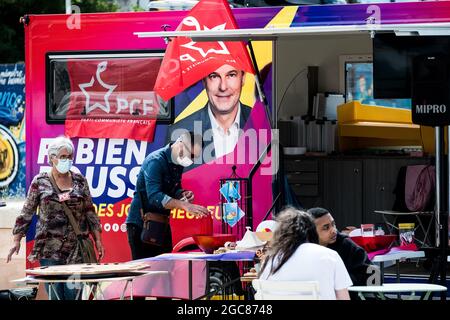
x,y
259,84
263,99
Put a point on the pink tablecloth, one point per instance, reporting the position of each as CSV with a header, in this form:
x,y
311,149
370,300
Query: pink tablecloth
x,y
411,247
175,284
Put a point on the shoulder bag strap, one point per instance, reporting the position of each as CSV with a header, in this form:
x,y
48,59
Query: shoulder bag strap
x,y
141,209
69,214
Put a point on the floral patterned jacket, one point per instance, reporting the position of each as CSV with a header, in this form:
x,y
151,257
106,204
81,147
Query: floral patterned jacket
x,y
55,237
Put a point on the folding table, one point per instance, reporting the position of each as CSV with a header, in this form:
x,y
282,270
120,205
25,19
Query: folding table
x,y
396,257
392,225
91,285
398,288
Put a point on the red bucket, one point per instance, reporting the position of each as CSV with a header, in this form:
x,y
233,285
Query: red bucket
x,y
209,243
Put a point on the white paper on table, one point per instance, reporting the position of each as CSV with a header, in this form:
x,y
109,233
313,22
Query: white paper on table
x,y
250,241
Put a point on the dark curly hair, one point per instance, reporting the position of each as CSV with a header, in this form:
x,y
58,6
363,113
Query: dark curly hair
x,y
295,228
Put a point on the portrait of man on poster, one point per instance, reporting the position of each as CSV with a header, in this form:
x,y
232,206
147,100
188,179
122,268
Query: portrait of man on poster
x,y
224,115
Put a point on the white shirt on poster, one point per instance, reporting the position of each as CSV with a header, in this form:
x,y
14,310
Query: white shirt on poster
x,y
312,262
224,142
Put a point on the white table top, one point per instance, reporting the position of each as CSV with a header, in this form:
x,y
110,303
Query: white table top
x,y
399,213
399,255
234,255
399,287
87,269
30,279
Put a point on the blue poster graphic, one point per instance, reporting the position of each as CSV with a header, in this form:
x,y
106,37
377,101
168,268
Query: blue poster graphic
x,y
230,210
230,191
12,130
232,213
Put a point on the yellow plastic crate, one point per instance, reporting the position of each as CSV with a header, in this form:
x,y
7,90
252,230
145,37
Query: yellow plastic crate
x,y
362,126
354,111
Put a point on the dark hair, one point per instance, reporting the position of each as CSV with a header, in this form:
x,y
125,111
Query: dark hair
x,y
294,229
317,212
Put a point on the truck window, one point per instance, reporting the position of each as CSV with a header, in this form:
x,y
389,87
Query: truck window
x,y
115,83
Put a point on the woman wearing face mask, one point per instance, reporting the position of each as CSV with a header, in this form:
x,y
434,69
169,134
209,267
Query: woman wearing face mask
x,y
158,190
55,239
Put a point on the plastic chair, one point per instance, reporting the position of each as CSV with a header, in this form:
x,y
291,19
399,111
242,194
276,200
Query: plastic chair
x,y
285,290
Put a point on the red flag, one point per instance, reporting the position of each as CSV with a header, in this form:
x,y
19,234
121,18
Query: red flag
x,y
186,62
112,98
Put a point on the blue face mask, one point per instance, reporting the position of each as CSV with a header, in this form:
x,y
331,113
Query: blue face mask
x,y
64,165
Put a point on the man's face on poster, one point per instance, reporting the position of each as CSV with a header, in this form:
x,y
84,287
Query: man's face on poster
x,y
223,88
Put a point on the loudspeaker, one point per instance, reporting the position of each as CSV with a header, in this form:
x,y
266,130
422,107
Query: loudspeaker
x,y
431,90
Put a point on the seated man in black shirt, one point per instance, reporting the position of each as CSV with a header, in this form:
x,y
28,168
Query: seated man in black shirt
x,y
354,257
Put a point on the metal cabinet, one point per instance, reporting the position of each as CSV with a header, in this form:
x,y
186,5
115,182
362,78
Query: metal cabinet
x,y
303,177
342,191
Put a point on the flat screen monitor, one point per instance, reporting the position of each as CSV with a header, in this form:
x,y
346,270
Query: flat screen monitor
x,y
392,61
359,86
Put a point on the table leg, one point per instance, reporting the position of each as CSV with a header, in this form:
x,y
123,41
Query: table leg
x,y
80,293
411,297
122,297
50,289
382,296
92,290
208,283
426,241
131,290
390,225
190,279
100,291
397,266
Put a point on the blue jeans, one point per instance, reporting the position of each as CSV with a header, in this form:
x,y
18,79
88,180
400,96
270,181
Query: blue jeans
x,y
61,291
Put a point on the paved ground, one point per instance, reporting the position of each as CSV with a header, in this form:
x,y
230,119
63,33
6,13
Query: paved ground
x,y
16,268
419,268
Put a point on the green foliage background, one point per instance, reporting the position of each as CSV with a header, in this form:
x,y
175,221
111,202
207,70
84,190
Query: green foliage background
x,y
12,48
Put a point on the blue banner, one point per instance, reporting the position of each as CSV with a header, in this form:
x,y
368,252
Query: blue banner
x,y
12,130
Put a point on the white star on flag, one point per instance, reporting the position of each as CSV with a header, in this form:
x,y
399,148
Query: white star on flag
x,y
224,50
100,68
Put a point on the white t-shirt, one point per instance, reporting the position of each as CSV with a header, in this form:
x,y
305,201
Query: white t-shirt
x,y
312,262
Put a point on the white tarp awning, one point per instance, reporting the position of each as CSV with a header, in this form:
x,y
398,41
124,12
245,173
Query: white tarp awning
x,y
422,29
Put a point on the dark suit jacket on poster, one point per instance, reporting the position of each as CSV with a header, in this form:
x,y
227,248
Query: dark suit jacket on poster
x,y
203,116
